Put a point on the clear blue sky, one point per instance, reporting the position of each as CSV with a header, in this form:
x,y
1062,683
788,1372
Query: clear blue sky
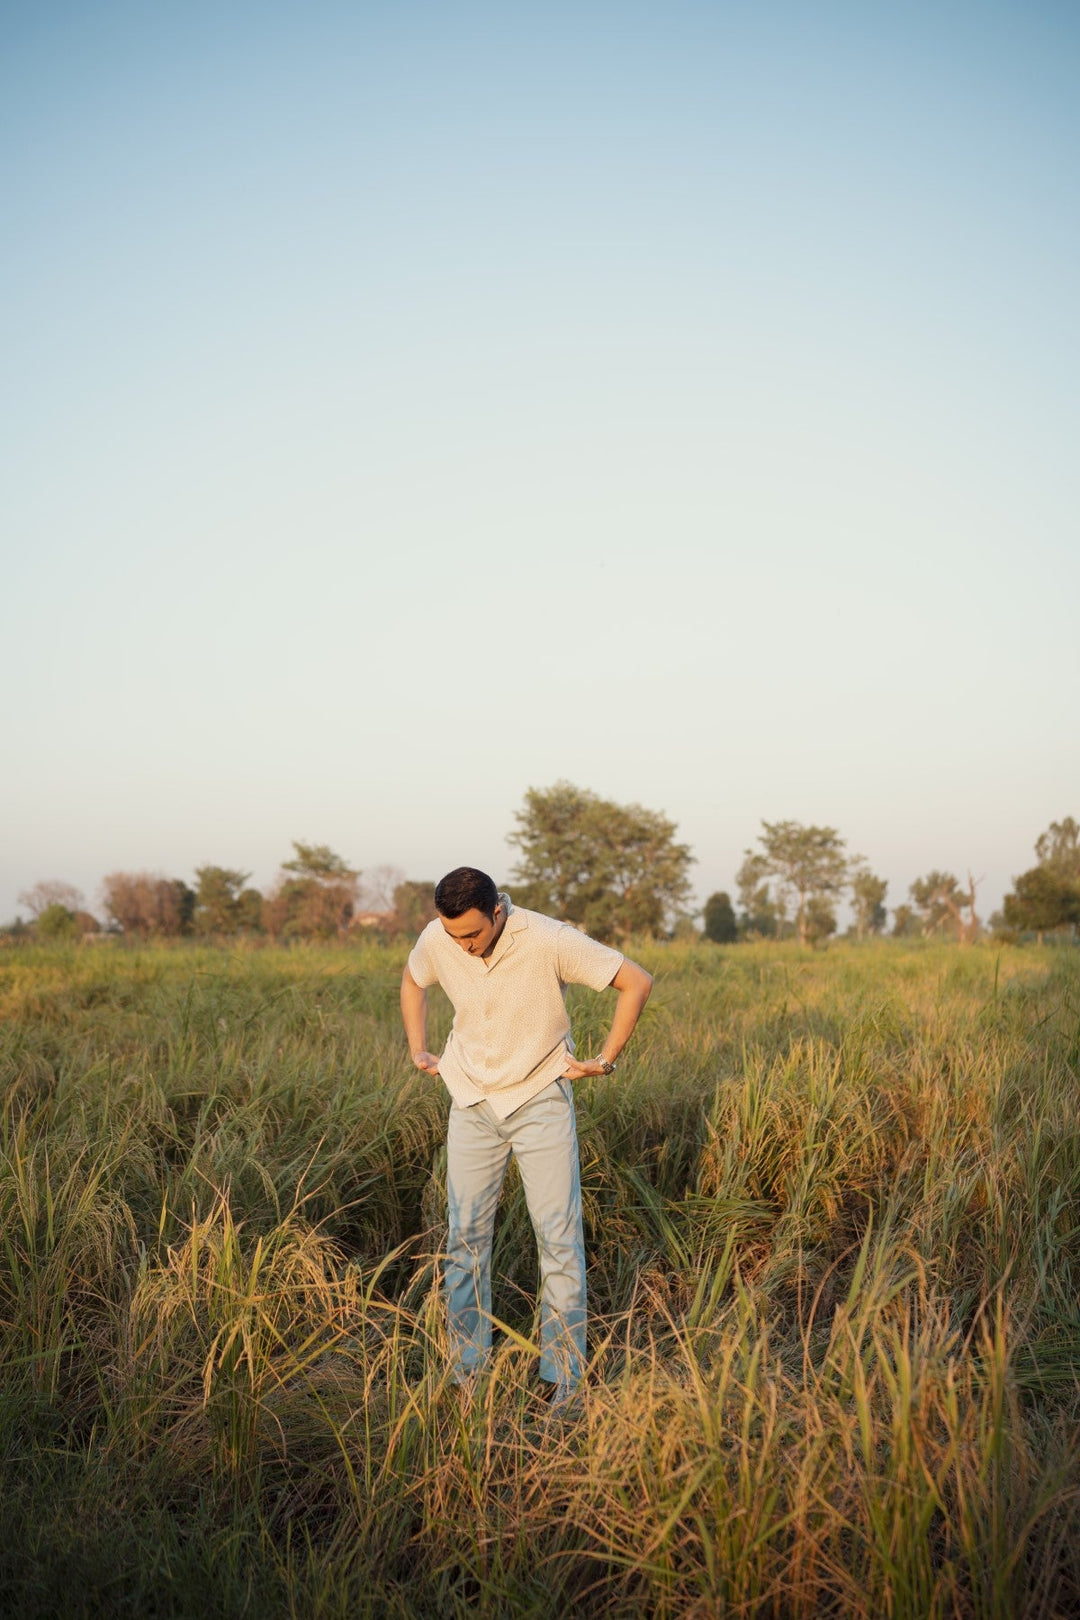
x,y
407,404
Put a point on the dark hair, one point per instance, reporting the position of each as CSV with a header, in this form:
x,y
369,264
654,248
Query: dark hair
x,y
466,889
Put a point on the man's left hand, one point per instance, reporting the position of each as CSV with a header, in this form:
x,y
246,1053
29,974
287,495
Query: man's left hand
x,y
577,1071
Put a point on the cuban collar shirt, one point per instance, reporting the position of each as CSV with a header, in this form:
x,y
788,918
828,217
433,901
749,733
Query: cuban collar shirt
x,y
511,1032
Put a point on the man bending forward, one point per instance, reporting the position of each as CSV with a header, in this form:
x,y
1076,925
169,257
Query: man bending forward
x,y
508,1064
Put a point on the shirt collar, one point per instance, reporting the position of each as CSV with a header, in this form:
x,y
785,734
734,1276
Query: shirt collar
x,y
515,922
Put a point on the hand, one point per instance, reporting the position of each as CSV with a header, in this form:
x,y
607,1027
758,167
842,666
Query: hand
x,y
573,1070
427,1061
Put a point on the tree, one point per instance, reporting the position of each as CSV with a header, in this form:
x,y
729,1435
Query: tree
x,y
414,906
807,863
941,902
51,893
56,922
249,911
905,923
217,899
179,905
721,925
613,869
378,888
1059,848
820,921
145,903
684,930
867,898
763,915
1047,897
317,897
1042,901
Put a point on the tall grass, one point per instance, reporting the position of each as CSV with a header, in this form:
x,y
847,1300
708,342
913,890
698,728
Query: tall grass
x,y
833,1218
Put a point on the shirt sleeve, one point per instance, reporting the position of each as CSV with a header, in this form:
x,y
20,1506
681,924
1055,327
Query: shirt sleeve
x,y
582,960
422,962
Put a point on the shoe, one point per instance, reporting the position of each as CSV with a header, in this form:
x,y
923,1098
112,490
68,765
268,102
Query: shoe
x,y
560,1400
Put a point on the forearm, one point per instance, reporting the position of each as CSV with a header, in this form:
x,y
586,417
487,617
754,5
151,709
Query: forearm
x,y
632,998
414,1013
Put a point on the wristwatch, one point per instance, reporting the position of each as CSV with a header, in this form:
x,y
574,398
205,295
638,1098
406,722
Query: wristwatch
x,y
608,1068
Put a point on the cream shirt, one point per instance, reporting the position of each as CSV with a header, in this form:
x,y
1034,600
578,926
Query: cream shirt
x,y
511,1034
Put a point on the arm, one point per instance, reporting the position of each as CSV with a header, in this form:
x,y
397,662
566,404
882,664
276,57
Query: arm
x,y
633,984
414,1017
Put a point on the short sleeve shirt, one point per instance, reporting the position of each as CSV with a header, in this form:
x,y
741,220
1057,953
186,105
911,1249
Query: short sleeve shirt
x,y
511,1032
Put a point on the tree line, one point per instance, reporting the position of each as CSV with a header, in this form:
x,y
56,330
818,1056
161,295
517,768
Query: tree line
x,y
789,886
317,895
613,869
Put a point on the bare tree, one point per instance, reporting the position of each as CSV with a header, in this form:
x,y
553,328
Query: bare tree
x,y
377,886
145,903
51,893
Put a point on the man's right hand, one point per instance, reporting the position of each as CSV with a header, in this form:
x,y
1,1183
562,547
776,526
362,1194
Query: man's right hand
x,y
427,1061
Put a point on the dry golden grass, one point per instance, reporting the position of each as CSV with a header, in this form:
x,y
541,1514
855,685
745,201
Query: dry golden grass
x,y
833,1212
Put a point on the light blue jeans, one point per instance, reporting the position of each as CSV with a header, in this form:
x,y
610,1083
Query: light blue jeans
x,y
542,1135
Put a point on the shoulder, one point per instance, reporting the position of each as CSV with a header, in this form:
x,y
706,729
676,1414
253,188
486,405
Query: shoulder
x,y
534,929
561,938
584,960
427,955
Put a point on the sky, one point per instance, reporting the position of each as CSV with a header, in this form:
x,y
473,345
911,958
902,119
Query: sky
x,y
409,404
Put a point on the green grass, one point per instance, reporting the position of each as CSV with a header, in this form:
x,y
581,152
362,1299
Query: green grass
x,y
833,1219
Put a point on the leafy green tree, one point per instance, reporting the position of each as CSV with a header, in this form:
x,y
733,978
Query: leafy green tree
x,y
316,896
867,898
217,899
905,923
613,869
820,922
1043,900
56,922
1047,897
320,863
806,862
1059,848
249,911
721,925
183,898
941,903
762,915
684,930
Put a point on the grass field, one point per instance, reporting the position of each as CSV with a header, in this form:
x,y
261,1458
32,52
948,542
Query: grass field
x,y
833,1219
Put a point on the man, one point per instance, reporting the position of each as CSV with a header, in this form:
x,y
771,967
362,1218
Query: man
x,y
507,1065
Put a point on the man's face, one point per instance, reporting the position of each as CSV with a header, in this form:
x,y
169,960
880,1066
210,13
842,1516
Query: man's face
x,y
473,931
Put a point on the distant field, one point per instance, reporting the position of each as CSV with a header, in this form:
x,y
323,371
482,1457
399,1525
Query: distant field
x,y
833,1218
